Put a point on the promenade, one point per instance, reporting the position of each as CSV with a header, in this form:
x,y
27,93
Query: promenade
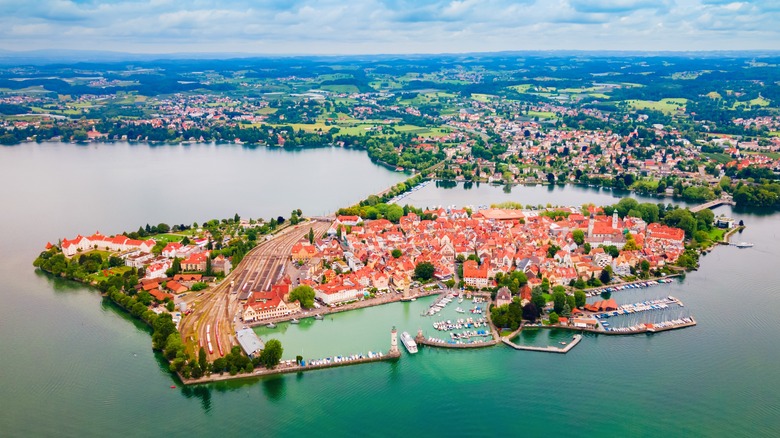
x,y
287,369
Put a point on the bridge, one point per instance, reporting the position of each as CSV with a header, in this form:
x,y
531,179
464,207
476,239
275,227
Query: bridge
x,y
712,204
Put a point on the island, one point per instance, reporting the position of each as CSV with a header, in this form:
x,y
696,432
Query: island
x,y
202,287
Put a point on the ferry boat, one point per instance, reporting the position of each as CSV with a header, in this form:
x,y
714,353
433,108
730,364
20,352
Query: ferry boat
x,y
743,245
409,343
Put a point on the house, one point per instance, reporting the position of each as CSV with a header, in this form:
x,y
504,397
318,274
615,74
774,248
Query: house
x,y
221,263
503,297
160,295
590,323
195,262
176,287
267,305
474,275
303,252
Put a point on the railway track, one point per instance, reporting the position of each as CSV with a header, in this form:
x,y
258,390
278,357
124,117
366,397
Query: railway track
x,y
257,271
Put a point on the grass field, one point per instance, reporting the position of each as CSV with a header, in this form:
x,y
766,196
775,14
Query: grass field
x,y
541,114
99,277
668,105
482,97
341,88
718,158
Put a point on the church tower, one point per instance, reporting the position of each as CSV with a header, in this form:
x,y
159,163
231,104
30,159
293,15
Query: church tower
x,y
590,226
614,220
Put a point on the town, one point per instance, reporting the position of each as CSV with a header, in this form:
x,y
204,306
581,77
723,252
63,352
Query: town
x,y
540,259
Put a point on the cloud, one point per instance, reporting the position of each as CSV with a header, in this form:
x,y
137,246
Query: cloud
x,y
387,26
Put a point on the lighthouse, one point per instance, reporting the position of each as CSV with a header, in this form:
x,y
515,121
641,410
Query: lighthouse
x,y
394,341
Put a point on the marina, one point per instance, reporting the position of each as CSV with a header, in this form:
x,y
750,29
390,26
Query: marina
x,y
627,286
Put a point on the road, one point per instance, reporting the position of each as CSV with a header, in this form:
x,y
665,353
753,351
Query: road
x,y
215,313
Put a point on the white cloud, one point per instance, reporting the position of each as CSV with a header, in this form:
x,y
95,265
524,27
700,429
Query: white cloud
x,y
388,26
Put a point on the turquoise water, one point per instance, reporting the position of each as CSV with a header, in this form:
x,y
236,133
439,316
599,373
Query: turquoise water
x,y
72,365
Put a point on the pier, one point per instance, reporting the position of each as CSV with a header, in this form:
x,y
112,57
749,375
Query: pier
x,y
575,340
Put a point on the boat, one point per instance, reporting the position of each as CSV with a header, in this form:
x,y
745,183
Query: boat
x,y
318,317
409,343
743,245
459,310
271,325
294,321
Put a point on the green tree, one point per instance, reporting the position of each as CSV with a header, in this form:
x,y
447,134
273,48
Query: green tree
x,y
311,235
559,301
271,354
303,294
202,361
606,275
579,298
578,236
554,319
424,271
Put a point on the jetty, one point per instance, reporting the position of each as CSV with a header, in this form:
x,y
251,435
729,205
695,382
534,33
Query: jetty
x,y
575,340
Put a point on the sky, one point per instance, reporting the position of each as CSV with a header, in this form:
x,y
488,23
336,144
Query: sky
x,y
325,27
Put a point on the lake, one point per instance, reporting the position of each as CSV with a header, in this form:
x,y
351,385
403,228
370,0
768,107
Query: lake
x,y
74,365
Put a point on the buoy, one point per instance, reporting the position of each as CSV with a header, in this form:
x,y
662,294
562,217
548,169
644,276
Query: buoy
x,y
173,386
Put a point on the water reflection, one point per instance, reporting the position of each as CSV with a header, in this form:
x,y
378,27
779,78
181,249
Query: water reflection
x,y
201,392
275,387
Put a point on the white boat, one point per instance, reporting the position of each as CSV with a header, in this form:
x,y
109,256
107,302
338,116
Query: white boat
x,y
409,343
743,245
294,321
459,310
318,317
271,325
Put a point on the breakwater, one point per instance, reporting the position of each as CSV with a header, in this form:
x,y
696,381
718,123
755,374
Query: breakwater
x,y
575,340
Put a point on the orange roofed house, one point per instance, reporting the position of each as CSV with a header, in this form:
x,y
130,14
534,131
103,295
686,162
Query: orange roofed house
x,y
475,275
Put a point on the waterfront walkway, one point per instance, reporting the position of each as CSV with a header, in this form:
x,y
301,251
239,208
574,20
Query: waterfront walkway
x,y
294,368
575,340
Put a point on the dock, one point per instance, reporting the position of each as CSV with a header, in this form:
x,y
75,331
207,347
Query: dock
x,y
575,340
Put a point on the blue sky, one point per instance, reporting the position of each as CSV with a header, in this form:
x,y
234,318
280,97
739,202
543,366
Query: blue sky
x,y
387,26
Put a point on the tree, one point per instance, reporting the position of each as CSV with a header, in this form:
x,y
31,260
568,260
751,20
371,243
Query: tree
x,y
579,298
202,361
396,253
606,275
578,236
303,294
209,269
554,319
163,228
280,220
530,312
559,301
311,235
271,354
424,271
